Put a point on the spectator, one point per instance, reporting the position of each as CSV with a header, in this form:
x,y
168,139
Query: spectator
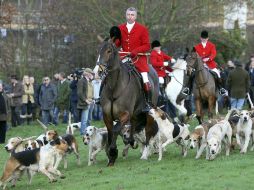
x,y
97,112
91,106
55,79
74,97
4,106
63,99
85,95
15,94
36,87
251,73
238,84
47,98
27,99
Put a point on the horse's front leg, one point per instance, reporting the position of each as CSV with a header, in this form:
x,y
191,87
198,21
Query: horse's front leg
x,y
198,110
211,102
112,151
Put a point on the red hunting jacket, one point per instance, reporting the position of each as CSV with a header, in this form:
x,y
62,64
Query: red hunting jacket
x,y
208,51
157,62
137,41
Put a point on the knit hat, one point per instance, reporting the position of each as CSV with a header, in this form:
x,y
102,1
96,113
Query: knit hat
x,y
204,34
156,43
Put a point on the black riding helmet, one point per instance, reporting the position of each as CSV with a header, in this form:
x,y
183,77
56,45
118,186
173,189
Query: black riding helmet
x,y
115,32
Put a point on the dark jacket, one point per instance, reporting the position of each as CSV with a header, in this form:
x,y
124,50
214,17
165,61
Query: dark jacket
x,y
47,96
18,92
238,83
82,87
5,107
63,95
74,94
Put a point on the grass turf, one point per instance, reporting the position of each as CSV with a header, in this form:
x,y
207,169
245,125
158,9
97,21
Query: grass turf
x,y
173,172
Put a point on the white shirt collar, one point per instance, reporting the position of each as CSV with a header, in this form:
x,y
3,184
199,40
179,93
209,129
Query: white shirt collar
x,y
130,26
204,44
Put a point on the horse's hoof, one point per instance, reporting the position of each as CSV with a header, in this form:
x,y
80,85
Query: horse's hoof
x,y
110,164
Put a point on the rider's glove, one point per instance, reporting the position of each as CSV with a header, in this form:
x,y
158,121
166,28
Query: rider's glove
x,y
206,59
173,60
165,63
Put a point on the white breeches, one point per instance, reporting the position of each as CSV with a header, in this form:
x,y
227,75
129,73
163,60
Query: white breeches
x,y
161,80
145,77
217,71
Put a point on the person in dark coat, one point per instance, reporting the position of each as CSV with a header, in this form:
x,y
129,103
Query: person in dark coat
x,y
74,97
238,84
4,108
63,99
47,99
16,94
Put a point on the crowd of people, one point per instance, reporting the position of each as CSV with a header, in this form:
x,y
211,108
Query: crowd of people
x,y
77,93
28,100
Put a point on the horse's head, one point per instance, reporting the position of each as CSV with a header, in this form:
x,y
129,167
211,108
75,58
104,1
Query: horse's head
x,y
108,54
180,64
191,60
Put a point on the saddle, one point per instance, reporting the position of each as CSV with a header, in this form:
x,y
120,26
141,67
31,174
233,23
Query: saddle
x,y
128,64
214,74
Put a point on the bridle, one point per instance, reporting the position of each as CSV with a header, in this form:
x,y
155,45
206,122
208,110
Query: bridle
x,y
104,66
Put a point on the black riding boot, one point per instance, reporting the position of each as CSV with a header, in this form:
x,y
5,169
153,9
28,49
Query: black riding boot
x,y
222,90
97,101
163,93
148,96
187,90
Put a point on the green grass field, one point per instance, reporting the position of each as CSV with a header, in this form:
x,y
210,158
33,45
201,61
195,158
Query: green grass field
x,y
173,172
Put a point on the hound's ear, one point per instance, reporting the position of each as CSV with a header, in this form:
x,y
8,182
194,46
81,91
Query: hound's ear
x,y
163,116
55,135
187,138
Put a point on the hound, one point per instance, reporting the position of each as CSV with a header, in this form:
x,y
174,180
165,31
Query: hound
x,y
244,131
198,137
73,147
97,140
37,160
169,132
73,127
15,142
220,132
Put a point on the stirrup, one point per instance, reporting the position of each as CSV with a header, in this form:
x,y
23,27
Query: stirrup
x,y
223,92
186,91
147,107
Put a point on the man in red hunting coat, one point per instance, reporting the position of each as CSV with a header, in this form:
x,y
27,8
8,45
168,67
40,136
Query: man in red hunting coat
x,y
159,62
207,51
134,39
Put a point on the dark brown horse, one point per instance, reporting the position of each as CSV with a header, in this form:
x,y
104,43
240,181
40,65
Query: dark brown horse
x,y
122,97
204,88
